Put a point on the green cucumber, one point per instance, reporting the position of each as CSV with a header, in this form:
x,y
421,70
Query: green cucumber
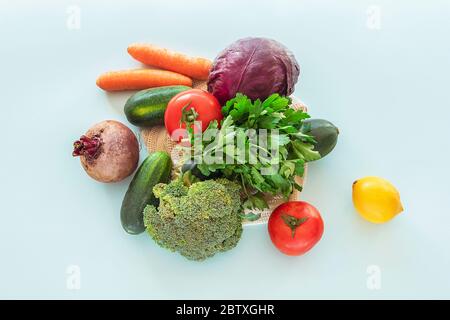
x,y
156,168
324,132
146,108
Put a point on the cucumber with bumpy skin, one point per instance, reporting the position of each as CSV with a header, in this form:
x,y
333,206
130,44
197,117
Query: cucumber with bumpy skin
x,y
155,169
146,108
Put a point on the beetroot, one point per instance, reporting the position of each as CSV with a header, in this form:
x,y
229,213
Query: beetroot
x,y
109,151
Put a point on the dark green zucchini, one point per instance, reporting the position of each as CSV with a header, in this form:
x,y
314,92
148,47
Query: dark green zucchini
x,y
324,132
156,168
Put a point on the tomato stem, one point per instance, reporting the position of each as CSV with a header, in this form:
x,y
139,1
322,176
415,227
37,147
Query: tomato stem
x,y
292,222
188,116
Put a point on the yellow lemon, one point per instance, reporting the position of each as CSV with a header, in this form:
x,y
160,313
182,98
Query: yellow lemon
x,y
376,199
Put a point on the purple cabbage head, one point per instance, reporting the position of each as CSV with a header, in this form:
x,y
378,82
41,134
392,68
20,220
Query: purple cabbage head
x,y
256,67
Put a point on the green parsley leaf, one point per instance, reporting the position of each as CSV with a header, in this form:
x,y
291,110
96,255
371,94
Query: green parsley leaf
x,y
268,165
305,151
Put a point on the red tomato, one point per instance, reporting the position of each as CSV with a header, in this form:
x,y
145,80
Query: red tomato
x,y
295,227
205,105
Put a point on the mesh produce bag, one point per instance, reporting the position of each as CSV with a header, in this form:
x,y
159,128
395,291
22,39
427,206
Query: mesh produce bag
x,y
157,139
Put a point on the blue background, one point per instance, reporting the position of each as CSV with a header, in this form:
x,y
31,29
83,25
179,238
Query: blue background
x,y
387,90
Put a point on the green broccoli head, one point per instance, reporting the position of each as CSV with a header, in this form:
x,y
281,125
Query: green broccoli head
x,y
196,221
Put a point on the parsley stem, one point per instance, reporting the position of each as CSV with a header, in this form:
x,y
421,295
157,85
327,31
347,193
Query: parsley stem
x,y
243,185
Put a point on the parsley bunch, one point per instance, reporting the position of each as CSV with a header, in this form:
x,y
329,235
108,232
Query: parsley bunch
x,y
266,165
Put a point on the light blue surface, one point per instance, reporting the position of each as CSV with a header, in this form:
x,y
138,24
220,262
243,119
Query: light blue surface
x,y
387,90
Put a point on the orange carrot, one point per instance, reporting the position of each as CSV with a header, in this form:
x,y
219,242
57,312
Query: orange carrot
x,y
137,79
194,67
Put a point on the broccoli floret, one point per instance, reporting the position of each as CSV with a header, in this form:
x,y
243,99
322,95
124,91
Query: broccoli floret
x,y
196,221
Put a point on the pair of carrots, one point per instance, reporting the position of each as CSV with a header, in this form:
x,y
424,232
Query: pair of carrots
x,y
178,70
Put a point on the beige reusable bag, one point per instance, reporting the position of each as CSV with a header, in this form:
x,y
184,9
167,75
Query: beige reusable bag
x,y
157,139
